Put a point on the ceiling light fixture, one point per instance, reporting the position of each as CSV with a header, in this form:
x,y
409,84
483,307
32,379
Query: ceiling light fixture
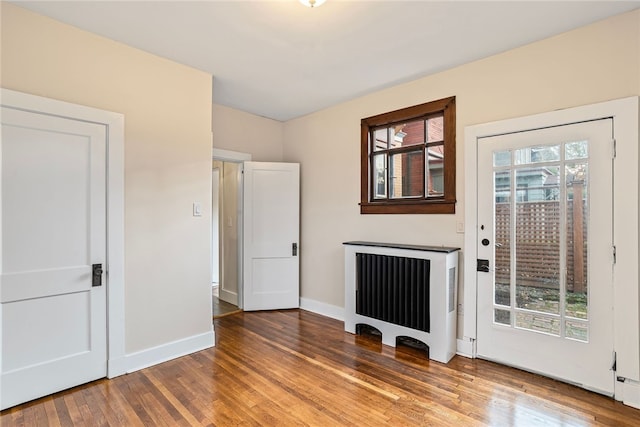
x,y
312,3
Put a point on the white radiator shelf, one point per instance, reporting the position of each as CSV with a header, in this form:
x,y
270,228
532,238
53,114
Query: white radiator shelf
x,y
443,278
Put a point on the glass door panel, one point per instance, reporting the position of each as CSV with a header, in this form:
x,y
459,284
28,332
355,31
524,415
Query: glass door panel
x,y
542,204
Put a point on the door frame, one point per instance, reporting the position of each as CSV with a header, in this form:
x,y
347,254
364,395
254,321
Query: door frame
x,y
240,158
215,226
625,211
114,124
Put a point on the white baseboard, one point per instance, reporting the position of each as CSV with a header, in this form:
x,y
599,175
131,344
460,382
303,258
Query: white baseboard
x,y
116,367
464,347
631,393
328,310
162,353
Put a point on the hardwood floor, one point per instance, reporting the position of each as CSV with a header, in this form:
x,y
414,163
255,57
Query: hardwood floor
x,y
293,367
223,308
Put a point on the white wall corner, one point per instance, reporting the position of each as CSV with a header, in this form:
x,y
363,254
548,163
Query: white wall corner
x,y
173,350
464,347
324,309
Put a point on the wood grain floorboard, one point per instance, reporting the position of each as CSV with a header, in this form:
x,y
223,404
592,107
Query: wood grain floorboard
x,y
295,368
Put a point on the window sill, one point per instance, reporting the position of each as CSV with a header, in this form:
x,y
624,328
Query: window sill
x,y
409,207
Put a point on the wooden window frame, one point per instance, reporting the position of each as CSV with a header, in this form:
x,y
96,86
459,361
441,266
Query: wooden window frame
x,y
445,204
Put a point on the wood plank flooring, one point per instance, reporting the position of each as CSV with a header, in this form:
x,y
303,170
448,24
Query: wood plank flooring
x,y
223,308
286,368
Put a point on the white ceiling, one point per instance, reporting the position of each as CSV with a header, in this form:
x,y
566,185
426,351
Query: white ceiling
x,y
279,59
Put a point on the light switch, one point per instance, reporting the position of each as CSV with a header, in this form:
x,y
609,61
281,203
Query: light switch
x,y
197,209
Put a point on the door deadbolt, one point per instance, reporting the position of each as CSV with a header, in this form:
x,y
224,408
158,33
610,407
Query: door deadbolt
x,y
96,277
485,242
483,265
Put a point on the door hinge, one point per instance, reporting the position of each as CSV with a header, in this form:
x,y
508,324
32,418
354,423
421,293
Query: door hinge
x,y
615,361
613,148
615,254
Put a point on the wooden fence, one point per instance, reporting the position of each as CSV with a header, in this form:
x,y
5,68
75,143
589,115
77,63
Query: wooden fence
x,y
538,244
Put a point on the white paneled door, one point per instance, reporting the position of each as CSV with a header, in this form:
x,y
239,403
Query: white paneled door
x,y
53,231
545,252
271,235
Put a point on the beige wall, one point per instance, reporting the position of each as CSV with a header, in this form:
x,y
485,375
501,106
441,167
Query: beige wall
x,y
167,109
595,63
247,133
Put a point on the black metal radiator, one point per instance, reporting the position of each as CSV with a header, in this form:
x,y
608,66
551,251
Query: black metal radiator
x,y
393,289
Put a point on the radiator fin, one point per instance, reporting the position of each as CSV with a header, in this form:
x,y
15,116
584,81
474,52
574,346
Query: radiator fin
x,y
393,289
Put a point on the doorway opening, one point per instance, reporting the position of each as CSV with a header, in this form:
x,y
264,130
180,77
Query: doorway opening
x,y
617,150
226,236
56,358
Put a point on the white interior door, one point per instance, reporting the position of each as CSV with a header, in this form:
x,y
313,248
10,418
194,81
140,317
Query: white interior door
x,y
271,235
53,225
545,227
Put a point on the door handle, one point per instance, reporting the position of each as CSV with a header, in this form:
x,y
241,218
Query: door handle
x,y
96,277
294,249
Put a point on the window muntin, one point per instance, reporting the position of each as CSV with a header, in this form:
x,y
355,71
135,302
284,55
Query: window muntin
x,y
408,160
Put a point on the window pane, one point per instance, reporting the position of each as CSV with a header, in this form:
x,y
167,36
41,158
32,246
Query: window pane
x,y
577,330
577,213
502,316
380,137
576,150
538,322
380,176
502,294
405,134
435,166
435,129
538,239
529,155
407,175
502,158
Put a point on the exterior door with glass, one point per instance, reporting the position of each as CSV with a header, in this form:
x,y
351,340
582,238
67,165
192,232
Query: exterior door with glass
x,y
545,252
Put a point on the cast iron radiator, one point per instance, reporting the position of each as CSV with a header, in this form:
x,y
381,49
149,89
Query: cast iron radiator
x,y
393,289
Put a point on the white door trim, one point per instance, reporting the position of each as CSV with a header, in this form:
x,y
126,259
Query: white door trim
x,y
114,123
230,156
626,290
